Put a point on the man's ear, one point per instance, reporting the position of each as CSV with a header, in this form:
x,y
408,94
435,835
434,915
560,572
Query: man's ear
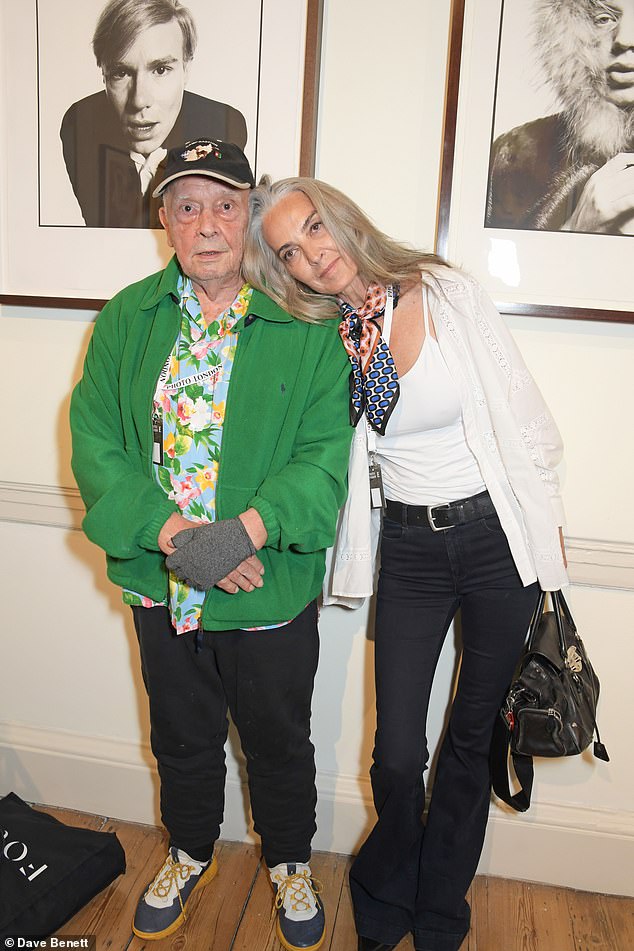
x,y
163,220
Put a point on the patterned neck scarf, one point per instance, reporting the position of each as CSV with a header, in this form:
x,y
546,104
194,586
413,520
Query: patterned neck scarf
x,y
374,382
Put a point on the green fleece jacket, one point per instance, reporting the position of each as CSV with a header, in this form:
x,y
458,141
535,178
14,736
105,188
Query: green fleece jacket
x,y
285,446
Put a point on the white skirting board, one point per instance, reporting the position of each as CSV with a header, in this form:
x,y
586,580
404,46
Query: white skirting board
x,y
570,846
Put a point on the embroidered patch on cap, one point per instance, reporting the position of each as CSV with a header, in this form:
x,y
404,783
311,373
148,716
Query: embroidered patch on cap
x,y
200,149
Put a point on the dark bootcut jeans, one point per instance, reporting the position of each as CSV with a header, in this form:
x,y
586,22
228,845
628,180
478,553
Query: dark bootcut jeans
x,y
265,679
410,877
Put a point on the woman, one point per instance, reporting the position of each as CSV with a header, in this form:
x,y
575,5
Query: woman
x,y
463,448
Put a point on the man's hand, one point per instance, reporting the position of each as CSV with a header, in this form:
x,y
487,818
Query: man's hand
x,y
606,205
175,523
252,521
206,553
246,577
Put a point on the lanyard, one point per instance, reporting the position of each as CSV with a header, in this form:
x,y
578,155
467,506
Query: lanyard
x,y
212,374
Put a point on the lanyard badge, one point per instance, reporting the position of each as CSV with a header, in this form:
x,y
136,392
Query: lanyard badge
x,y
157,438
377,496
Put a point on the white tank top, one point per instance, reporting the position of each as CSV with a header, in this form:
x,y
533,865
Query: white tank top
x,y
424,456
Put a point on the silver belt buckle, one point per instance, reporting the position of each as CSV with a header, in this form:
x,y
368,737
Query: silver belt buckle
x,y
430,519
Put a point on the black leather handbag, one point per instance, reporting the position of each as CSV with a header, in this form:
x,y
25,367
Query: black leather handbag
x,y
550,708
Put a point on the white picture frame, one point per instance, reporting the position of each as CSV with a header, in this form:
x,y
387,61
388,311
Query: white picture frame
x,y
252,54
526,272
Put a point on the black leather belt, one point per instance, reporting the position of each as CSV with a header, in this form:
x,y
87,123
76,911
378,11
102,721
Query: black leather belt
x,y
441,517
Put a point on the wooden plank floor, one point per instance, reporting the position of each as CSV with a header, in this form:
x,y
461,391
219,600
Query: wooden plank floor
x,y
233,913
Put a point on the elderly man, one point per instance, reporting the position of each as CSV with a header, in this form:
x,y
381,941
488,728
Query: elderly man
x,y
208,425
574,171
113,141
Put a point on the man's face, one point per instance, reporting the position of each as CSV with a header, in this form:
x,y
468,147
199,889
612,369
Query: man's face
x,y
146,86
205,221
614,49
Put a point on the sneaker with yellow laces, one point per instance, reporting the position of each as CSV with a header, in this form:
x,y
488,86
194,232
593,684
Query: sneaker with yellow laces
x,y
161,909
301,922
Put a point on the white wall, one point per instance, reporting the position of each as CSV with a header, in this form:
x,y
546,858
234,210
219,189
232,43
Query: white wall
x,y
73,721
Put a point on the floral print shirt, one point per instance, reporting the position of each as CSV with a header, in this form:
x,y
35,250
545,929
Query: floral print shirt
x,y
188,412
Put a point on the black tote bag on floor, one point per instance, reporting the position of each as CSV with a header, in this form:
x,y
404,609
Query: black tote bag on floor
x,y
49,870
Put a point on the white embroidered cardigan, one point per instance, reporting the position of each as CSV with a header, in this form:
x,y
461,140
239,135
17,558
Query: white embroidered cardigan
x,y
508,427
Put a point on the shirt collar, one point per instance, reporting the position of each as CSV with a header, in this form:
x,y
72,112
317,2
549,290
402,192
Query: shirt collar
x,y
146,166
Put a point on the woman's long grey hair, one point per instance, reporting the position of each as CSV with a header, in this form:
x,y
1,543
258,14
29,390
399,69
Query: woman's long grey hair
x,y
378,257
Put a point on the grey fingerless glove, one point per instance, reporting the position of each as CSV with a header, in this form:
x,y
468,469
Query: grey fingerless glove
x,y
204,555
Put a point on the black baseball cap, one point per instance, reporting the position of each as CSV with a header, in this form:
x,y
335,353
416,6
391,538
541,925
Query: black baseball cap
x,y
215,159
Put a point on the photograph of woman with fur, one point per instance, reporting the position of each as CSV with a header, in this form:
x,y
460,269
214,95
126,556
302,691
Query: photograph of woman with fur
x,y
572,170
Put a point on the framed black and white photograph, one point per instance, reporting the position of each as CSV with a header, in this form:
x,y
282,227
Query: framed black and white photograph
x,y
537,187
94,94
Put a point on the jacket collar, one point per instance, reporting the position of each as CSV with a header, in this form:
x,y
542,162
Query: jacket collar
x,y
259,306
166,285
262,306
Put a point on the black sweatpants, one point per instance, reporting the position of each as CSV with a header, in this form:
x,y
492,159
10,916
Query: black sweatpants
x,y
265,679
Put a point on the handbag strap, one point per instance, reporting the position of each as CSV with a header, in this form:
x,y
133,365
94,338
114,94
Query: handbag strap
x,y
501,744
561,612
537,613
499,765
562,607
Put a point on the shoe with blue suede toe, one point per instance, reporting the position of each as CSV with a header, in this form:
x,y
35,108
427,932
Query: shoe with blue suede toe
x,y
161,909
301,921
